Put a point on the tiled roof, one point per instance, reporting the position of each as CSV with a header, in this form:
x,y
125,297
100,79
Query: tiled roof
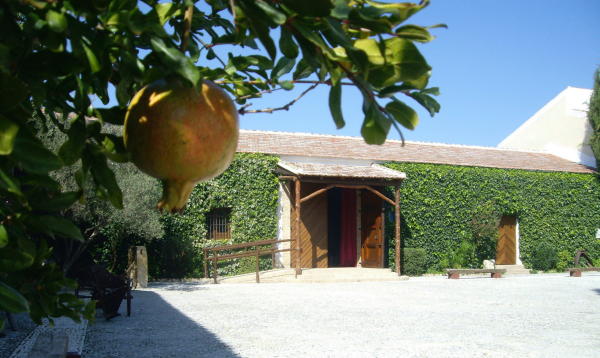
x,y
373,171
328,146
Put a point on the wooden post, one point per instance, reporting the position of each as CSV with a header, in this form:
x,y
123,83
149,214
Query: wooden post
x,y
215,271
257,266
397,233
205,263
297,203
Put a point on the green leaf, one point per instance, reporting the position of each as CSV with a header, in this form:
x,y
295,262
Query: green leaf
x,y
114,115
59,202
411,64
166,11
56,21
8,133
91,57
3,236
415,33
371,48
11,300
31,154
15,259
283,66
277,16
13,91
311,8
428,102
9,184
58,226
341,9
303,70
335,104
287,45
174,58
71,150
286,85
376,124
105,177
403,114
400,12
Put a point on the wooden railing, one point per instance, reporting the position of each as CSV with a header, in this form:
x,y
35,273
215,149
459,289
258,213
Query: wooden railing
x,y
251,249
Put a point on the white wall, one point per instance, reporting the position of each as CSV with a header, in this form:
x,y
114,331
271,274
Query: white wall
x,y
560,128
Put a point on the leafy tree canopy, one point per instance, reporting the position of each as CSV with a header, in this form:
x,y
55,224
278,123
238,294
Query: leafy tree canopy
x,y
594,118
59,59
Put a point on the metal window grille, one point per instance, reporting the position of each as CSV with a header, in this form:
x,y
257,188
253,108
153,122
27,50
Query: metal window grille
x,y
218,223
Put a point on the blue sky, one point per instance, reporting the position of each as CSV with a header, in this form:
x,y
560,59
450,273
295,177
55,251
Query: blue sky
x,y
496,65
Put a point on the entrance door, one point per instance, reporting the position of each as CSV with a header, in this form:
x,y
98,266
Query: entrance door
x,y
506,249
372,241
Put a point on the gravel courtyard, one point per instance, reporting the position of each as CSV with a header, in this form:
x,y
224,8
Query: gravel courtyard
x,y
547,315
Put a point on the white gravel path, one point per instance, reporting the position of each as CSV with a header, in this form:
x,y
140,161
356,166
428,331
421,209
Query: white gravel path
x,y
526,316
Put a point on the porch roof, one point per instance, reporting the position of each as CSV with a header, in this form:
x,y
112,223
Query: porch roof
x,y
344,171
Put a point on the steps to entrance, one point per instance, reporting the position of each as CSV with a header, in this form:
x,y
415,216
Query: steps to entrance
x,y
338,274
514,269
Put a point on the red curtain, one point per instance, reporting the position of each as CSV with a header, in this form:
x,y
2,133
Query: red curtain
x,y
348,229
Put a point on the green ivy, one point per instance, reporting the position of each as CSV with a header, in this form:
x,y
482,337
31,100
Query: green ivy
x,y
250,188
439,202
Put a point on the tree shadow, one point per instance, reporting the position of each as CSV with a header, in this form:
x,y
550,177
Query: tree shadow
x,y
155,329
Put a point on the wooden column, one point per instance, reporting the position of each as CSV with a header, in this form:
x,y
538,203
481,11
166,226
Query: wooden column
x,y
397,233
297,223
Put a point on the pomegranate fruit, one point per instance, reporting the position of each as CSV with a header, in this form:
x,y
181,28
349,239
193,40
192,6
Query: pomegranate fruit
x,y
181,135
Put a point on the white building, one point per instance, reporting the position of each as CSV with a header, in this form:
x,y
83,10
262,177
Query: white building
x,y
560,128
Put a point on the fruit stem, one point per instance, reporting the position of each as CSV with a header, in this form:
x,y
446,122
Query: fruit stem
x,y
175,195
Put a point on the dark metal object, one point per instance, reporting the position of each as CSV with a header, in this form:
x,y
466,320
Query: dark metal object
x,y
582,253
107,289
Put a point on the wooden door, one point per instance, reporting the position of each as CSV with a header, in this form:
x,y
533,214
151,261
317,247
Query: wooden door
x,y
313,229
372,240
506,249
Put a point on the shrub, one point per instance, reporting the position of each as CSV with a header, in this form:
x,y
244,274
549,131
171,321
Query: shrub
x,y
543,257
414,261
564,260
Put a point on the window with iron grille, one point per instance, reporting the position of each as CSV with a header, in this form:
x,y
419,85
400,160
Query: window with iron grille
x,y
218,223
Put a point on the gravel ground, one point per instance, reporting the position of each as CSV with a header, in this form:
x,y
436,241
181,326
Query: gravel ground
x,y
11,339
526,316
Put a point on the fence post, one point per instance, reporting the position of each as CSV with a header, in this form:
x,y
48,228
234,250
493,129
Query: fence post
x,y
257,266
215,270
205,262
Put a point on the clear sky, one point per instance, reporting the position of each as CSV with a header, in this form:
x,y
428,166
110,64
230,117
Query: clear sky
x,y
496,65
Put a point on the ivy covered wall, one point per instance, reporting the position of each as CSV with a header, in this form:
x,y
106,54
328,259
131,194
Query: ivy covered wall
x,y
440,201
249,187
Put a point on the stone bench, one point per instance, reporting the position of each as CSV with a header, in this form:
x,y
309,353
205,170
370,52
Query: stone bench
x,y
576,271
455,273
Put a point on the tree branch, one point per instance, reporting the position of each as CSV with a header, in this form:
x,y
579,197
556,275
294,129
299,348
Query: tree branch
x,y
285,107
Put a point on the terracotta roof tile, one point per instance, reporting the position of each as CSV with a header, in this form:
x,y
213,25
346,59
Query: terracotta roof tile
x,y
328,146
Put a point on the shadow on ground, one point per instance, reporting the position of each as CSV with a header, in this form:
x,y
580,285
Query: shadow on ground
x,y
597,290
155,329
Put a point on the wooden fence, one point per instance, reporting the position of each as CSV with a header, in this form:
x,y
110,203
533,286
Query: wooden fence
x,y
250,249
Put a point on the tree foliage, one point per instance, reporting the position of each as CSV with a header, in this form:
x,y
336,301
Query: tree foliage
x,y
594,118
67,60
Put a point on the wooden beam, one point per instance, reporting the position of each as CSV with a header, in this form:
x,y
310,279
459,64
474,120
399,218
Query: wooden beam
x,y
316,193
397,233
298,249
287,177
376,192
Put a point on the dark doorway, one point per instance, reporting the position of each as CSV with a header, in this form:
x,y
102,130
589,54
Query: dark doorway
x,y
334,204
342,222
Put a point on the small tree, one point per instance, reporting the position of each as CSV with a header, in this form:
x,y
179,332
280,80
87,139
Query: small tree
x,y
593,116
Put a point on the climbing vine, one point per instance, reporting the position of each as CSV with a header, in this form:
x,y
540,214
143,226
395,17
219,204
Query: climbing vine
x,y
439,203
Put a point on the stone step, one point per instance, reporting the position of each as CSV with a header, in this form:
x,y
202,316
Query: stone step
x,y
514,269
338,274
